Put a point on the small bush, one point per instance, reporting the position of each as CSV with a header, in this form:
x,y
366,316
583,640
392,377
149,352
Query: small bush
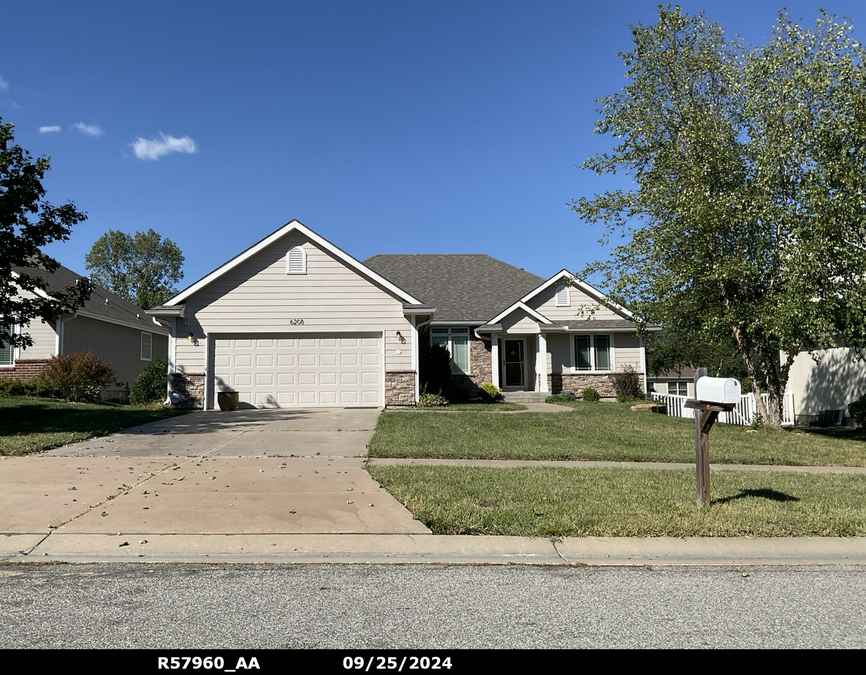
x,y
78,377
560,398
590,394
857,410
426,400
757,421
151,385
626,384
35,386
489,391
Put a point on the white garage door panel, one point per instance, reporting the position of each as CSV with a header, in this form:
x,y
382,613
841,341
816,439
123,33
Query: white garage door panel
x,y
278,372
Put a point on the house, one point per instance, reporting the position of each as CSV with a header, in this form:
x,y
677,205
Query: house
x,y
679,382
823,382
113,329
295,321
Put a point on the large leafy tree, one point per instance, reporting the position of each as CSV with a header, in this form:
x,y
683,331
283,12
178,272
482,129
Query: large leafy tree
x,y
142,268
27,223
747,215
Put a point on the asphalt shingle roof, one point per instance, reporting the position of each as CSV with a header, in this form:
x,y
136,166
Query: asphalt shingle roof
x,y
462,287
115,309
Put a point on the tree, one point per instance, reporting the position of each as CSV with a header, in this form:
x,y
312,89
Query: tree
x,y
748,213
142,269
27,223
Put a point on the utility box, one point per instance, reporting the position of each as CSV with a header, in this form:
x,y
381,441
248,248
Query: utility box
x,y
717,390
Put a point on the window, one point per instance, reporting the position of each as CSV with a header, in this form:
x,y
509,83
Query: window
x,y
678,388
146,346
456,341
296,261
592,352
7,351
563,296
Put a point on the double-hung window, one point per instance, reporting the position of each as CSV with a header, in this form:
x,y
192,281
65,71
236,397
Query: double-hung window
x,y
678,388
7,351
456,341
592,352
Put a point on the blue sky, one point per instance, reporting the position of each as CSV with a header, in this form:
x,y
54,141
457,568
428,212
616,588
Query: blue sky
x,y
386,126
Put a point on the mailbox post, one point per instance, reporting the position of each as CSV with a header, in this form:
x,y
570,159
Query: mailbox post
x,y
712,396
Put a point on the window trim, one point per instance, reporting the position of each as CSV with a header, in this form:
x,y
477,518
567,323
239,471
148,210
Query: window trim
x,y
592,353
303,255
149,346
449,332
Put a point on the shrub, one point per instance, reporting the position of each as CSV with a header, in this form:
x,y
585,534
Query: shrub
x,y
489,391
857,410
78,377
435,368
34,386
626,384
150,386
590,394
560,398
757,421
426,400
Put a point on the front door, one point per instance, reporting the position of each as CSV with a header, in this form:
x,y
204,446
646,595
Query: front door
x,y
514,361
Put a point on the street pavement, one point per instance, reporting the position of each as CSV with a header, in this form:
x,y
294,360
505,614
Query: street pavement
x,y
289,486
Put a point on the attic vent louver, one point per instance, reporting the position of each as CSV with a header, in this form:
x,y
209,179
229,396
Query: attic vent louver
x,y
296,261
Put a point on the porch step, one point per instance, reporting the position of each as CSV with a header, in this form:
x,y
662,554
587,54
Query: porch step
x,y
524,396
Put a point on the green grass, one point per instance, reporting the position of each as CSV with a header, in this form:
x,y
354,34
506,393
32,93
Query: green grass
x,y
477,406
29,425
553,502
603,431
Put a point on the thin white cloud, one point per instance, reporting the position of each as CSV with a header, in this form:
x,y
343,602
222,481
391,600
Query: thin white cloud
x,y
3,84
48,130
89,129
155,148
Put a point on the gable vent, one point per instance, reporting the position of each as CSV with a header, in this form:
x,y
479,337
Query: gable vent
x,y
296,261
563,296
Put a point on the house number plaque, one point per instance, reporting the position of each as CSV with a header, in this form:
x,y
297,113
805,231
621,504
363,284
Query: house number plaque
x,y
296,322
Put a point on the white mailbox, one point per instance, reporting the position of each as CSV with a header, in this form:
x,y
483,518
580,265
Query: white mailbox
x,y
717,390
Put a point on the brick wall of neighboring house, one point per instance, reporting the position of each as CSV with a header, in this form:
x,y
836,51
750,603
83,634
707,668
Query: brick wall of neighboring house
x,y
23,369
577,383
400,388
189,388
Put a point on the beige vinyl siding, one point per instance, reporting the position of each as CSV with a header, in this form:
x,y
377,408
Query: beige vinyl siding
x,y
44,341
43,335
545,303
519,322
119,345
558,348
830,383
259,297
627,351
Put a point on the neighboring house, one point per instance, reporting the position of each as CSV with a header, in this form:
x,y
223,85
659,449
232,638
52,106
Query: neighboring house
x,y
295,321
823,381
677,382
113,329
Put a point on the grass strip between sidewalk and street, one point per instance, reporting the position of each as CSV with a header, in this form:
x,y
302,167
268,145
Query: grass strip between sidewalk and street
x,y
604,431
29,425
614,502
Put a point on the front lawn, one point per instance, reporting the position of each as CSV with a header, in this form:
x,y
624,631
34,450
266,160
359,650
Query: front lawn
x,y
603,431
602,502
29,425
477,406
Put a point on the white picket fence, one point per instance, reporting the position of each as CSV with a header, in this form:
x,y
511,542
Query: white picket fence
x,y
742,414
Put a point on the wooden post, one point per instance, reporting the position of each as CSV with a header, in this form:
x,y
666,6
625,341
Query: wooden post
x,y
702,447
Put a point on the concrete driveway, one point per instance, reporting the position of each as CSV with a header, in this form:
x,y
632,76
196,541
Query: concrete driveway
x,y
256,472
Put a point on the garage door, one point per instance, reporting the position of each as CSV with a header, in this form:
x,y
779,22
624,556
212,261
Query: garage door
x,y
308,370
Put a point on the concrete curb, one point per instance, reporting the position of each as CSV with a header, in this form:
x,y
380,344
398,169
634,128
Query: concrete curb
x,y
429,549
